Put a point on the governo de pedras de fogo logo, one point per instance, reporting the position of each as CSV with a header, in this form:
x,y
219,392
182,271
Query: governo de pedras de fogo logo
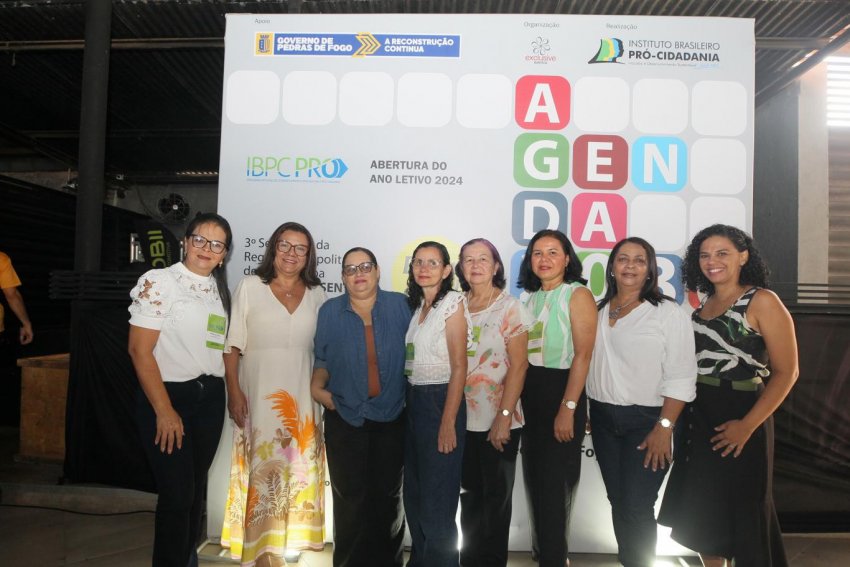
x,y
305,169
657,52
540,49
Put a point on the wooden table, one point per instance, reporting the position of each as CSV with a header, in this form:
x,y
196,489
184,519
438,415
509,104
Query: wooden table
x,y
44,391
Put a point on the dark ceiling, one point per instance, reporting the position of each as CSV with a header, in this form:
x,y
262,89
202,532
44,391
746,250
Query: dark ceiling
x,y
167,59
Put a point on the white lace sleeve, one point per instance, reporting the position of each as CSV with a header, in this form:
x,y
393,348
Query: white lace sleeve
x,y
152,298
450,304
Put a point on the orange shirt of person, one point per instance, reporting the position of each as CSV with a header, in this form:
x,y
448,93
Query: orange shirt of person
x,y
9,283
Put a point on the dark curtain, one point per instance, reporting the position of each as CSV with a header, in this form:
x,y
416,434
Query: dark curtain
x,y
101,440
812,459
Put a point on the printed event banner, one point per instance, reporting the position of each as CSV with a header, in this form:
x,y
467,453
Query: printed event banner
x,y
386,130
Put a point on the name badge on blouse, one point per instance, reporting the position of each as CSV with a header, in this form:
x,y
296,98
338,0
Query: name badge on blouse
x,y
535,344
408,359
216,328
476,338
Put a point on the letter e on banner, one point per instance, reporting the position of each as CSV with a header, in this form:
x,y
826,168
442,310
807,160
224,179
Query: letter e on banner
x,y
600,162
598,220
542,102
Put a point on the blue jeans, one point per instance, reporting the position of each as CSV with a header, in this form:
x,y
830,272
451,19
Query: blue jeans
x,y
431,478
632,488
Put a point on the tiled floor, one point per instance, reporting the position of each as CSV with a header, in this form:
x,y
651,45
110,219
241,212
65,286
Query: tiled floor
x,y
114,528
45,538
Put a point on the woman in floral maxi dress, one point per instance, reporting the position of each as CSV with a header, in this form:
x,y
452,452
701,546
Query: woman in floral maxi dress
x,y
274,502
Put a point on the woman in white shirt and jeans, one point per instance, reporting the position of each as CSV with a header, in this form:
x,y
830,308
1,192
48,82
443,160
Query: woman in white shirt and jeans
x,y
435,365
642,373
178,322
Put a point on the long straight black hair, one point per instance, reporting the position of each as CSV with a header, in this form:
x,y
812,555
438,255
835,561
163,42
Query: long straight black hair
x,y
649,292
414,290
219,272
529,281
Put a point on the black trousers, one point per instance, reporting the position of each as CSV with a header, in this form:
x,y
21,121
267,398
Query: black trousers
x,y
486,489
551,469
181,477
365,465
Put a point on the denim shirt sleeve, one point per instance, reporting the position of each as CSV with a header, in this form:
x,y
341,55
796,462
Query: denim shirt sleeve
x,y
320,340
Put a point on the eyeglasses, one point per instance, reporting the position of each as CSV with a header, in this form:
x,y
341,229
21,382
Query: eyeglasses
x,y
216,246
363,268
285,246
430,264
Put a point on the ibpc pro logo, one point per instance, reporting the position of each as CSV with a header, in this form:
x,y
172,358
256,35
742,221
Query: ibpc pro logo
x,y
295,168
610,50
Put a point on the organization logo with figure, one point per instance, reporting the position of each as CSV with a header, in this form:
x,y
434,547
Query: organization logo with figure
x,y
610,50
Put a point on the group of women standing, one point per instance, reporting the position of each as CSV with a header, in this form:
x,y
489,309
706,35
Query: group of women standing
x,y
430,396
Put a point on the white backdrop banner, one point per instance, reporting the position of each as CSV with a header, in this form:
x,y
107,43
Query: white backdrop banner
x,y
386,130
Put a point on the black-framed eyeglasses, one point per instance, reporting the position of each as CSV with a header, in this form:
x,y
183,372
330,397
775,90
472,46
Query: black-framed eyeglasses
x,y
285,246
216,246
363,268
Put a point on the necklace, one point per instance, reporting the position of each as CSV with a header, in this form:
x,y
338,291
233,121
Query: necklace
x,y
489,299
288,292
614,314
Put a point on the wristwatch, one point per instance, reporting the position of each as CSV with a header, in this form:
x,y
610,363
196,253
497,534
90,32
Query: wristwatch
x,y
571,405
506,412
666,423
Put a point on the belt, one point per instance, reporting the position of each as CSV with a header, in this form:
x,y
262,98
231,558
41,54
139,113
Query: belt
x,y
747,385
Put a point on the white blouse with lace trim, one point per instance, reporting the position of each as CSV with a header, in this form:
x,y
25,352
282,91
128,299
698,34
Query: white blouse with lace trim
x,y
430,364
178,304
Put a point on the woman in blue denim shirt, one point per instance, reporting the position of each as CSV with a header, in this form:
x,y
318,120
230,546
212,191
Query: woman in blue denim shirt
x,y
358,377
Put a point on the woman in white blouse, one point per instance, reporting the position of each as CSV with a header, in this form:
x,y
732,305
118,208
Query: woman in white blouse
x,y
642,373
435,365
178,322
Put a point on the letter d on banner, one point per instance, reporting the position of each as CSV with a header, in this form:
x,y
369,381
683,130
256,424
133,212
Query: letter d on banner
x,y
535,210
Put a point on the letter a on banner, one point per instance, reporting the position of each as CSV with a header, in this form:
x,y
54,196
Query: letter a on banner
x,y
542,102
598,220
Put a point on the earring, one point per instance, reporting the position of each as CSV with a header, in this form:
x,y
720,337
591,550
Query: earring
x,y
220,264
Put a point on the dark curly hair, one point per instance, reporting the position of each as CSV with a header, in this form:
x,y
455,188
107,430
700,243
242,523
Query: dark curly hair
x,y
498,278
219,273
414,291
309,274
572,273
754,273
649,292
